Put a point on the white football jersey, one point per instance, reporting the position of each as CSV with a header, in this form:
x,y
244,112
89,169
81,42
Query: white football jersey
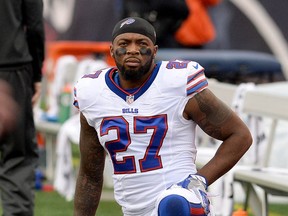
x,y
150,143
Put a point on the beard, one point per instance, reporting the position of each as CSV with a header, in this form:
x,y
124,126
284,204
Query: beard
x,y
134,74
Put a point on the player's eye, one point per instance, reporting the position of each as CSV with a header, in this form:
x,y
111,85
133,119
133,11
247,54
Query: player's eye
x,y
123,44
143,43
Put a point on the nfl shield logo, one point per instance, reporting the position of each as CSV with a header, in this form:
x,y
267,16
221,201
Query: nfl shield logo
x,y
130,99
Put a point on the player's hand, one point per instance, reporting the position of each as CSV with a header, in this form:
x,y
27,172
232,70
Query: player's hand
x,y
8,109
37,92
198,185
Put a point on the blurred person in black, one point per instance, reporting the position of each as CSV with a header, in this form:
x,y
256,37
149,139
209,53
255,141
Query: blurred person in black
x,y
165,16
21,58
178,23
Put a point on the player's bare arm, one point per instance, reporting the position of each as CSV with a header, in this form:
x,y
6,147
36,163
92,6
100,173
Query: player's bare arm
x,y
90,178
210,114
220,122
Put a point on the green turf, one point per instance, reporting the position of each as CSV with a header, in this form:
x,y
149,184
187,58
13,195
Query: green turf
x,y
52,204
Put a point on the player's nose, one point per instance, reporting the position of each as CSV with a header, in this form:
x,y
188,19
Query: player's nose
x,y
133,49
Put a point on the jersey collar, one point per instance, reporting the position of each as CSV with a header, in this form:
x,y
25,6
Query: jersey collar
x,y
126,96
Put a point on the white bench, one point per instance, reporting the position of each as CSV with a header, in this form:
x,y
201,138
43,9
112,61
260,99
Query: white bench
x,y
49,131
267,100
270,101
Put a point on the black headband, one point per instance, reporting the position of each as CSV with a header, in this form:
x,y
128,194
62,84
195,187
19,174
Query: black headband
x,y
134,25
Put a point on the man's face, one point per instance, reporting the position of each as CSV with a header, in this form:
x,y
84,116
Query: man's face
x,y
134,55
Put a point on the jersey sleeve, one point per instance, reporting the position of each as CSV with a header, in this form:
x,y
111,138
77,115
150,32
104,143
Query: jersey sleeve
x,y
75,102
87,89
84,93
84,97
79,97
196,79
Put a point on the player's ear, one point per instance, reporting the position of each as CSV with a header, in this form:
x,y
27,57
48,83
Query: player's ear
x,y
155,51
111,51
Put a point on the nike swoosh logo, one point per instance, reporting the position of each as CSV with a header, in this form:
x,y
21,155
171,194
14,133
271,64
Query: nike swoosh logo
x,y
196,66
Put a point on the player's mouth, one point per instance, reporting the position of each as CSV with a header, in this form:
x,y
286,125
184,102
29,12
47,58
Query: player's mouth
x,y
132,62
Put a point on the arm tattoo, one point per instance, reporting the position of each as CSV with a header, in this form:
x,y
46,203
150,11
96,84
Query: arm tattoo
x,y
215,113
90,178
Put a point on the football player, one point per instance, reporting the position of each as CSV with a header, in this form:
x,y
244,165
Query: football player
x,y
143,115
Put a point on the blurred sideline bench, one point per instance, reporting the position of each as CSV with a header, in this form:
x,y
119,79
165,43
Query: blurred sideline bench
x,y
55,50
49,131
269,101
